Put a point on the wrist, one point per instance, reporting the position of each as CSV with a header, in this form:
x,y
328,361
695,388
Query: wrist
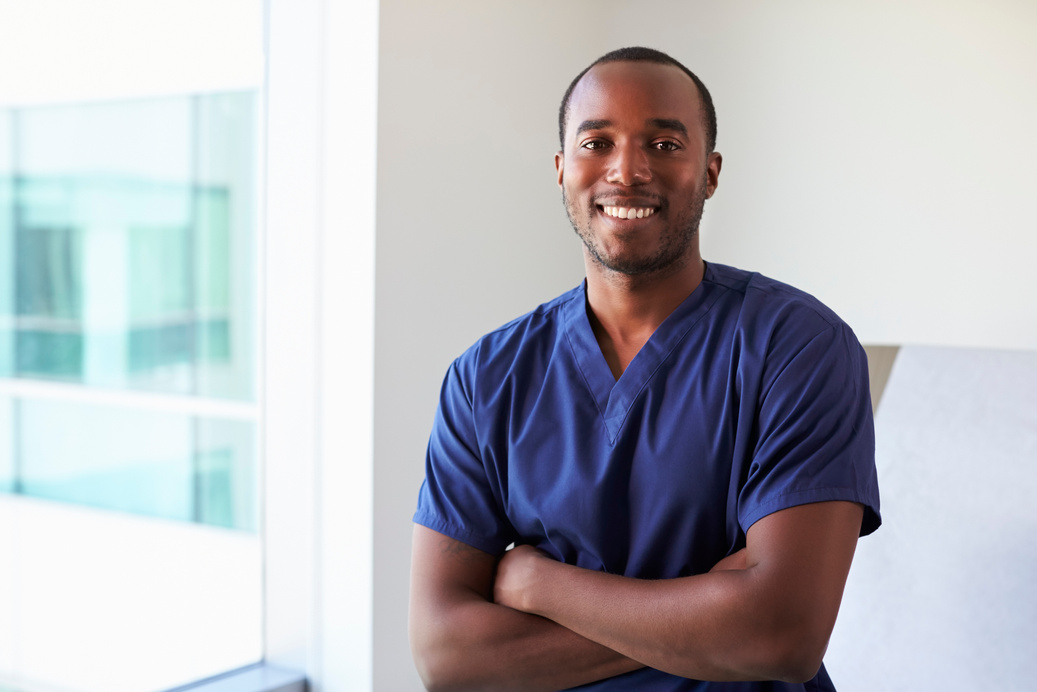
x,y
542,574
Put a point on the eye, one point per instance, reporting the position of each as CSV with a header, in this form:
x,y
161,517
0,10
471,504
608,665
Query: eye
x,y
594,144
667,145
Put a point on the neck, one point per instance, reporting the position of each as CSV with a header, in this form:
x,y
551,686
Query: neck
x,y
625,311
627,304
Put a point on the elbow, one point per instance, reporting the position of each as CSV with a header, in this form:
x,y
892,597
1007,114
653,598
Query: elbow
x,y
440,668
787,656
430,666
797,670
433,675
795,656
440,675
434,682
791,641
427,669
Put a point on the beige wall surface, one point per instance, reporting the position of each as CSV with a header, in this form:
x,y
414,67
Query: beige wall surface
x,y
471,231
879,155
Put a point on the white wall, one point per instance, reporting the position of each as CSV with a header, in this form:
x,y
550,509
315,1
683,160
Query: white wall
x,y
471,231
877,154
880,155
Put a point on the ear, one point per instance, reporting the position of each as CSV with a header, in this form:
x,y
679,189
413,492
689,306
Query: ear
x,y
559,164
713,164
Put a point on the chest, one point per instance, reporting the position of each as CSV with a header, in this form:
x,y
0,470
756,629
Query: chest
x,y
648,489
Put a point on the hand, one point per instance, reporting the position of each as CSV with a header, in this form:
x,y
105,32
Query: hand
x,y
517,575
732,561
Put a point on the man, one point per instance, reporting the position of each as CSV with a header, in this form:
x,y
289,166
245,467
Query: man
x,y
681,452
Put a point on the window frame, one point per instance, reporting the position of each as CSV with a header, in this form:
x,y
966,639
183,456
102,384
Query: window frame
x,y
317,348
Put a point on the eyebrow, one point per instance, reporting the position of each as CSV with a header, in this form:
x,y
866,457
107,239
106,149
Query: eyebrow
x,y
668,124
592,125
659,123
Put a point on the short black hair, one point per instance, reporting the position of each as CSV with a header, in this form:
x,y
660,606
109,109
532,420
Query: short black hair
x,y
641,54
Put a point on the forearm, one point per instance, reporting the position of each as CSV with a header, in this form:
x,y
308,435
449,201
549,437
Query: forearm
x,y
461,640
707,627
479,645
765,614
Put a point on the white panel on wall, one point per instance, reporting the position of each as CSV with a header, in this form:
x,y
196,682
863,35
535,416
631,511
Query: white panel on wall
x,y
941,597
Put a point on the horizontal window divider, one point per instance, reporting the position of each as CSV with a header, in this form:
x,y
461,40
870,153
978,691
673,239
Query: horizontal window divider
x,y
260,677
206,407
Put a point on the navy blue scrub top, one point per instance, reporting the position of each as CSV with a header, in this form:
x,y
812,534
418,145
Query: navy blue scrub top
x,y
751,397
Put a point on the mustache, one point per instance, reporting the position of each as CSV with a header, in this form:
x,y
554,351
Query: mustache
x,y
618,199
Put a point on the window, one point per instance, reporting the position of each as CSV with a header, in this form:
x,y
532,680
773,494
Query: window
x,y
174,366
129,476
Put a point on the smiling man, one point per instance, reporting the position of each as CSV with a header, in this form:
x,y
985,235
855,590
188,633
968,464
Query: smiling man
x,y
681,452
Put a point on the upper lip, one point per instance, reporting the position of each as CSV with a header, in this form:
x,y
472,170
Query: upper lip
x,y
628,202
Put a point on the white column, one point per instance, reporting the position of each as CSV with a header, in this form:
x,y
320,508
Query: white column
x,y
317,393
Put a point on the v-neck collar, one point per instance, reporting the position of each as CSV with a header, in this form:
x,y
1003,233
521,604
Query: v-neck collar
x,y
614,397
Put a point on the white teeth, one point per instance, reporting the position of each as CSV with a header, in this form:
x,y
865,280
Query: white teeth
x,y
629,212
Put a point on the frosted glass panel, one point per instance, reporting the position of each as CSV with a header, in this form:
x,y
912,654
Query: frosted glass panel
x,y
127,262
129,550
127,244
157,464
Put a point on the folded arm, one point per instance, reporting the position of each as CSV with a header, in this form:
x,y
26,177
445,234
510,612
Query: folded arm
x,y
766,614
461,640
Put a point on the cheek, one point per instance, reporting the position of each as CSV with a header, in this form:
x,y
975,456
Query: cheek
x,y
580,175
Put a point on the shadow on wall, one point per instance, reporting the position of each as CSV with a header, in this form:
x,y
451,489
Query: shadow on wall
x,y
880,364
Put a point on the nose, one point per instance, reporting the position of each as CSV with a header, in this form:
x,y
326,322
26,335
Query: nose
x,y
629,166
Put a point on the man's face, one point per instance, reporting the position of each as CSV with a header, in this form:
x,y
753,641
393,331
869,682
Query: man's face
x,y
635,173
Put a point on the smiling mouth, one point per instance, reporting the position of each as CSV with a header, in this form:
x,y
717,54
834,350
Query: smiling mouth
x,y
627,212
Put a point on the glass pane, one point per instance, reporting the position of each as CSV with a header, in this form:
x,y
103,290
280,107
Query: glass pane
x,y
151,463
129,549
126,234
7,444
96,600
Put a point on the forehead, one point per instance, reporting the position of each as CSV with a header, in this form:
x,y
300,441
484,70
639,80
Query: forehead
x,y
633,93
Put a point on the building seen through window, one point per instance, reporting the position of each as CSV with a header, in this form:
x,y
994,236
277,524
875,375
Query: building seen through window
x,y
127,348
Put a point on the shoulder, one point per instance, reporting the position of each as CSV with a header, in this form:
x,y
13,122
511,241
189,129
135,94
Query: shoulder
x,y
532,335
763,306
772,324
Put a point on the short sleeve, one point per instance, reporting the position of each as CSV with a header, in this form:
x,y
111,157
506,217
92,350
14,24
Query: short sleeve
x,y
815,437
457,498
